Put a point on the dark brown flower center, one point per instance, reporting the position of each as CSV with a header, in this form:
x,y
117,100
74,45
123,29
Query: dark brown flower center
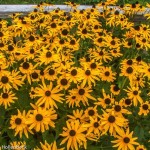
x,y
107,73
134,5
41,72
143,40
84,31
107,101
87,72
117,108
18,121
96,27
113,42
64,82
127,101
64,32
116,88
138,58
100,40
47,93
138,78
61,41
39,117
129,70
48,54
72,133
74,72
32,92
72,42
1,34
111,119
126,140
1,45
116,12
145,106
51,72
10,48
31,51
129,62
31,38
53,25
93,66
135,92
96,124
5,95
81,91
4,79
25,65
34,75
73,97
129,43
91,112
138,45
101,53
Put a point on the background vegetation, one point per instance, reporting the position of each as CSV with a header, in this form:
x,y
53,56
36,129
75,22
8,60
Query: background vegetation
x,y
88,2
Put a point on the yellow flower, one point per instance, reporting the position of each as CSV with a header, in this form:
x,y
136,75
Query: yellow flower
x,y
83,94
18,123
112,123
144,108
47,146
134,94
40,119
106,74
107,100
73,135
6,98
48,95
18,145
125,141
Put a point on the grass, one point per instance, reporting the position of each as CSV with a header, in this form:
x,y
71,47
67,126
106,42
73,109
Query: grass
x,y
62,1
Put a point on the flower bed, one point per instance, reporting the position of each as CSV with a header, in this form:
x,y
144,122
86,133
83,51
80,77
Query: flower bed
x,y
75,81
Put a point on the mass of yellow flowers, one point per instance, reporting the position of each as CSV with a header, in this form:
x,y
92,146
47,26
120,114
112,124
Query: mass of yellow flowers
x,y
75,80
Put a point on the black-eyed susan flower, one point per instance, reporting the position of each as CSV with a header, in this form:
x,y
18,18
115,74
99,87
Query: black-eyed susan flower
x,y
141,147
83,94
73,135
94,127
48,95
40,119
77,115
26,68
101,55
115,90
134,94
118,109
112,123
6,98
125,140
74,75
106,100
5,81
72,100
144,108
16,79
89,77
91,112
106,74
18,124
63,83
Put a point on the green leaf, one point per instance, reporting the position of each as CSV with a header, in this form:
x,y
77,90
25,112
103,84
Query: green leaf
x,y
139,132
48,136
